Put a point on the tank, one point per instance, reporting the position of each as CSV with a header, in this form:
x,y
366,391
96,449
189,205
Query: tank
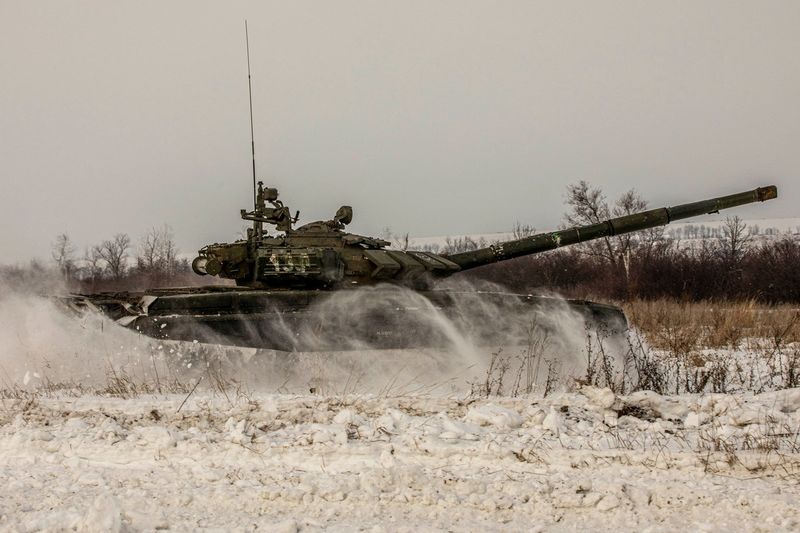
x,y
285,276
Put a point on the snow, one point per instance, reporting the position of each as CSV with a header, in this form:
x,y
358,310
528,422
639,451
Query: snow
x,y
290,462
394,440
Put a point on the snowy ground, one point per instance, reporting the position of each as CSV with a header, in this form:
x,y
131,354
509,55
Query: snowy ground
x,y
572,461
393,440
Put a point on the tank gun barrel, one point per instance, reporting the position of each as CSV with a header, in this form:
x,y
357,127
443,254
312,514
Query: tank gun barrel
x,y
615,226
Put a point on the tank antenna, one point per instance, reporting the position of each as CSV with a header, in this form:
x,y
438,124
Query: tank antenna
x,y
250,94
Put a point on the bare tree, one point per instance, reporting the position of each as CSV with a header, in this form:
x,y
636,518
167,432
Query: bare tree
x,y
147,259
93,263
462,244
520,230
63,253
735,240
652,239
629,203
157,252
168,252
589,206
115,254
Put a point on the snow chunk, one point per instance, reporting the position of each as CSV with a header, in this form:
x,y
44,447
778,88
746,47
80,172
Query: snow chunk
x,y
158,436
328,434
494,415
553,422
348,416
787,401
692,420
661,407
746,416
452,429
603,398
103,516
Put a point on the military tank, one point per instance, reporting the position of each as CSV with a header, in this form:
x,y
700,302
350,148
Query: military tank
x,y
286,283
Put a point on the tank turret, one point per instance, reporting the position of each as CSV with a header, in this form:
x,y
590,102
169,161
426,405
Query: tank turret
x,y
323,255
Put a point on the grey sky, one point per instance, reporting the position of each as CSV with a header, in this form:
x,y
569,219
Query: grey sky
x,y
428,117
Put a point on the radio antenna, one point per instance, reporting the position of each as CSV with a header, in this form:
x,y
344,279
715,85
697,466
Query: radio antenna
x,y
250,93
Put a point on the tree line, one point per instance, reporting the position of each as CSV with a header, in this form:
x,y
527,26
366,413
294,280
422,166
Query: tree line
x,y
732,265
649,265
116,263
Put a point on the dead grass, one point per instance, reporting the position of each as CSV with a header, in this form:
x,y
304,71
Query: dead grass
x,y
686,327
690,345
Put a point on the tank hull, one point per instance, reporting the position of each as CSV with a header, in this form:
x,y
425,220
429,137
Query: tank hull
x,y
302,320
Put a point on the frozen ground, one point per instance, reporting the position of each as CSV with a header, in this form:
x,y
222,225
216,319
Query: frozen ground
x,y
572,461
391,441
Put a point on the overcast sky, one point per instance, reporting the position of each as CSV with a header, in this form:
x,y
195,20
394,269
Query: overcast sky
x,y
427,117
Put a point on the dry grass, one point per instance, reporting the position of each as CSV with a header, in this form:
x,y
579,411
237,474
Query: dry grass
x,y
685,327
690,346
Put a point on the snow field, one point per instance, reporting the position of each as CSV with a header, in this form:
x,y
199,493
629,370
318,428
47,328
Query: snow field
x,y
279,462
